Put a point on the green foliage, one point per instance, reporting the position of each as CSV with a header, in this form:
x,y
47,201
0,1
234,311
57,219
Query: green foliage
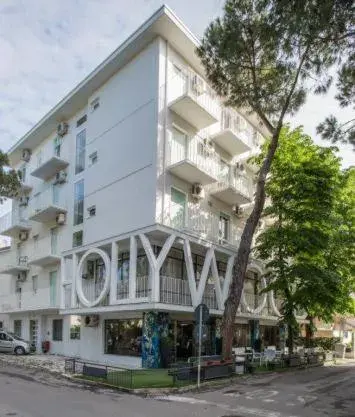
x,y
310,245
326,343
9,179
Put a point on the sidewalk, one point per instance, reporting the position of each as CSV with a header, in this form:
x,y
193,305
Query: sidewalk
x,y
49,363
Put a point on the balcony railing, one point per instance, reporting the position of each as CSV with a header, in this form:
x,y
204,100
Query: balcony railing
x,y
46,251
12,223
233,187
92,289
14,265
41,299
49,161
235,134
191,98
45,206
195,161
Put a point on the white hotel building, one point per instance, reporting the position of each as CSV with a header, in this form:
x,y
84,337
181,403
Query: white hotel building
x,y
135,190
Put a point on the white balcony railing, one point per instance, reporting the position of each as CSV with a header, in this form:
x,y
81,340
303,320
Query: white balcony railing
x,y
13,222
229,176
92,289
191,97
49,160
40,299
240,127
45,205
46,251
194,161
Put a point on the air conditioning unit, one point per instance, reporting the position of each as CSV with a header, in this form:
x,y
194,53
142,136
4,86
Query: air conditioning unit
x,y
239,167
198,191
62,129
23,201
23,235
21,277
60,177
61,219
198,85
26,155
92,321
238,211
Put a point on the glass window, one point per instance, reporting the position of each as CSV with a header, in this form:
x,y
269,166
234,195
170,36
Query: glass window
x,y
57,146
123,337
57,330
177,208
224,223
22,173
80,151
34,283
77,238
79,202
75,323
18,327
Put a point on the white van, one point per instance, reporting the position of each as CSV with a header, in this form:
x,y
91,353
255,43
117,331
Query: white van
x,y
11,343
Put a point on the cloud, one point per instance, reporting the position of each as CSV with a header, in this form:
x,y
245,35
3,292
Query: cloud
x,y
48,46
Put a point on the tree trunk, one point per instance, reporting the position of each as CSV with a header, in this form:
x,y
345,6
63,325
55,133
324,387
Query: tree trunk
x,y
310,329
241,263
290,338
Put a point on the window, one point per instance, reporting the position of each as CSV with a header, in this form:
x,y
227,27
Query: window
x,y
93,158
123,337
92,211
34,283
57,146
224,223
75,323
82,120
18,327
22,173
1,325
80,151
177,208
178,145
78,202
95,104
57,333
35,242
77,238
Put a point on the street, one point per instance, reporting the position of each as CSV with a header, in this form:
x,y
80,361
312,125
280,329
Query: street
x,y
314,392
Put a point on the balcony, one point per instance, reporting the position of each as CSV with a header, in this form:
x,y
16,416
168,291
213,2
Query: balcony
x,y
193,161
205,225
12,223
49,162
46,251
40,300
192,99
234,134
46,205
233,187
15,265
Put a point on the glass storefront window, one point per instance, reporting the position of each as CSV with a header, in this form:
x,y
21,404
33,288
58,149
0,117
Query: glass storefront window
x,y
123,337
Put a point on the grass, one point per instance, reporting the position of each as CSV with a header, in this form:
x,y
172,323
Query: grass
x,y
145,378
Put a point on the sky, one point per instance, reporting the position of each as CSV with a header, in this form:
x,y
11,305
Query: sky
x,y
48,46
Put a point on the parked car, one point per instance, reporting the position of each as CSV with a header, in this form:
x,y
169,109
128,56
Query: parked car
x,y
11,343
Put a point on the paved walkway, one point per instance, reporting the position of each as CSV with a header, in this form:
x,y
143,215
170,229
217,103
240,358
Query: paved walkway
x,y
51,363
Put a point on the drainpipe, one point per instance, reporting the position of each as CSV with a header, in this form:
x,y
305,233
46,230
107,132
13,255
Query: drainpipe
x,y
165,125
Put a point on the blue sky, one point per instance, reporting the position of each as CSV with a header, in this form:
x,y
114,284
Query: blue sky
x,y
48,46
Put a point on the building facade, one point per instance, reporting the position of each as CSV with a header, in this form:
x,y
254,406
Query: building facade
x,y
135,190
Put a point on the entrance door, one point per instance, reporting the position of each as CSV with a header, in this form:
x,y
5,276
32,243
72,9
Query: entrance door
x,y
33,332
53,288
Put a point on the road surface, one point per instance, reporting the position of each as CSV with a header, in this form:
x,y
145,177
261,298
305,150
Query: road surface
x,y
314,392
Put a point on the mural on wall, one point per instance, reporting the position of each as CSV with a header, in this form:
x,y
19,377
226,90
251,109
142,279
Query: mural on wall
x,y
155,331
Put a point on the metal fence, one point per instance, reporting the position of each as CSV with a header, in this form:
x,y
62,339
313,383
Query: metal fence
x,y
178,374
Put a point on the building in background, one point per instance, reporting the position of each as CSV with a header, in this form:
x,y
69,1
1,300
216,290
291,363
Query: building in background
x,y
135,190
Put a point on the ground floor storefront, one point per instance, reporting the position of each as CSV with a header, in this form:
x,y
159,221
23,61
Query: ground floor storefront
x,y
149,339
